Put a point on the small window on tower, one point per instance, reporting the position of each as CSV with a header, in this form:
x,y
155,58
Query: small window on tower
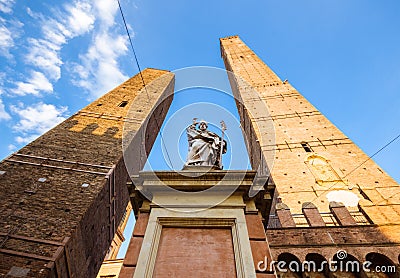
x,y
123,103
306,147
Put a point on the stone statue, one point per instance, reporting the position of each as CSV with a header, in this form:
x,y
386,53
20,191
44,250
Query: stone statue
x,y
205,146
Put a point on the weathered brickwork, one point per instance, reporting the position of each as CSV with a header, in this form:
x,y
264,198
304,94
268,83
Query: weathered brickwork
x,y
295,121
63,226
309,157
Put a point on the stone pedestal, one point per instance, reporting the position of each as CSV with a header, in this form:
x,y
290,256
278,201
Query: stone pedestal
x,y
198,224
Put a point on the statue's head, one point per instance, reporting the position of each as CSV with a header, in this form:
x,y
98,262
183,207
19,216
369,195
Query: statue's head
x,y
203,125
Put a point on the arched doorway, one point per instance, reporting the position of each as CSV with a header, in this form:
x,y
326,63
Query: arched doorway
x,y
345,265
288,266
316,266
381,266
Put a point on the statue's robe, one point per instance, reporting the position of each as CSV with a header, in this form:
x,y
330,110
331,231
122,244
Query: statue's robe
x,y
204,147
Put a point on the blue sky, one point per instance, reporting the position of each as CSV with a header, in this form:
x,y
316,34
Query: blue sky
x,y
203,93
343,56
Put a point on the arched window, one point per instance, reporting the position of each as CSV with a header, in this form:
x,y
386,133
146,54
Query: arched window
x,y
322,170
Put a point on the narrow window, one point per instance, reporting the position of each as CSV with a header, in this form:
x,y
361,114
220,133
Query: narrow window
x,y
306,147
123,103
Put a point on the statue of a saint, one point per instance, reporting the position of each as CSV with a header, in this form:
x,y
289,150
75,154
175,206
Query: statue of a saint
x,y
204,146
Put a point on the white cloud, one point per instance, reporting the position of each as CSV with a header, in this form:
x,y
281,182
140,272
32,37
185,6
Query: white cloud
x,y
37,83
99,70
11,147
106,11
10,30
6,6
31,13
36,119
3,114
26,139
44,53
80,18
6,41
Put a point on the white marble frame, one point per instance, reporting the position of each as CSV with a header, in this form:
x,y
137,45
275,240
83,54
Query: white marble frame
x,y
232,218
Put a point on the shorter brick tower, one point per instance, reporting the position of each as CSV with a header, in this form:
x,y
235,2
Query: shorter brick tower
x,y
63,195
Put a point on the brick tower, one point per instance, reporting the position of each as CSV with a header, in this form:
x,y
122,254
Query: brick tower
x,y
63,195
314,163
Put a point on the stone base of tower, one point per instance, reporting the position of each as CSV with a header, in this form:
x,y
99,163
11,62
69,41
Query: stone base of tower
x,y
198,225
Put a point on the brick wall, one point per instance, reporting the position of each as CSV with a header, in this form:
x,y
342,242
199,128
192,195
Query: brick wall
x,y
295,121
308,157
59,227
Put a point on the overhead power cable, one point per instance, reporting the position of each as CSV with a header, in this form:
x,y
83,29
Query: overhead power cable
x,y
369,158
144,83
133,49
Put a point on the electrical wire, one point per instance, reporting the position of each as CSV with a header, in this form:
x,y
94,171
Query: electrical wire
x,y
352,171
369,158
144,84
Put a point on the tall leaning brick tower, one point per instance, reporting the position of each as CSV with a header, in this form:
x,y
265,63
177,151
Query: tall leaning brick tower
x,y
316,177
